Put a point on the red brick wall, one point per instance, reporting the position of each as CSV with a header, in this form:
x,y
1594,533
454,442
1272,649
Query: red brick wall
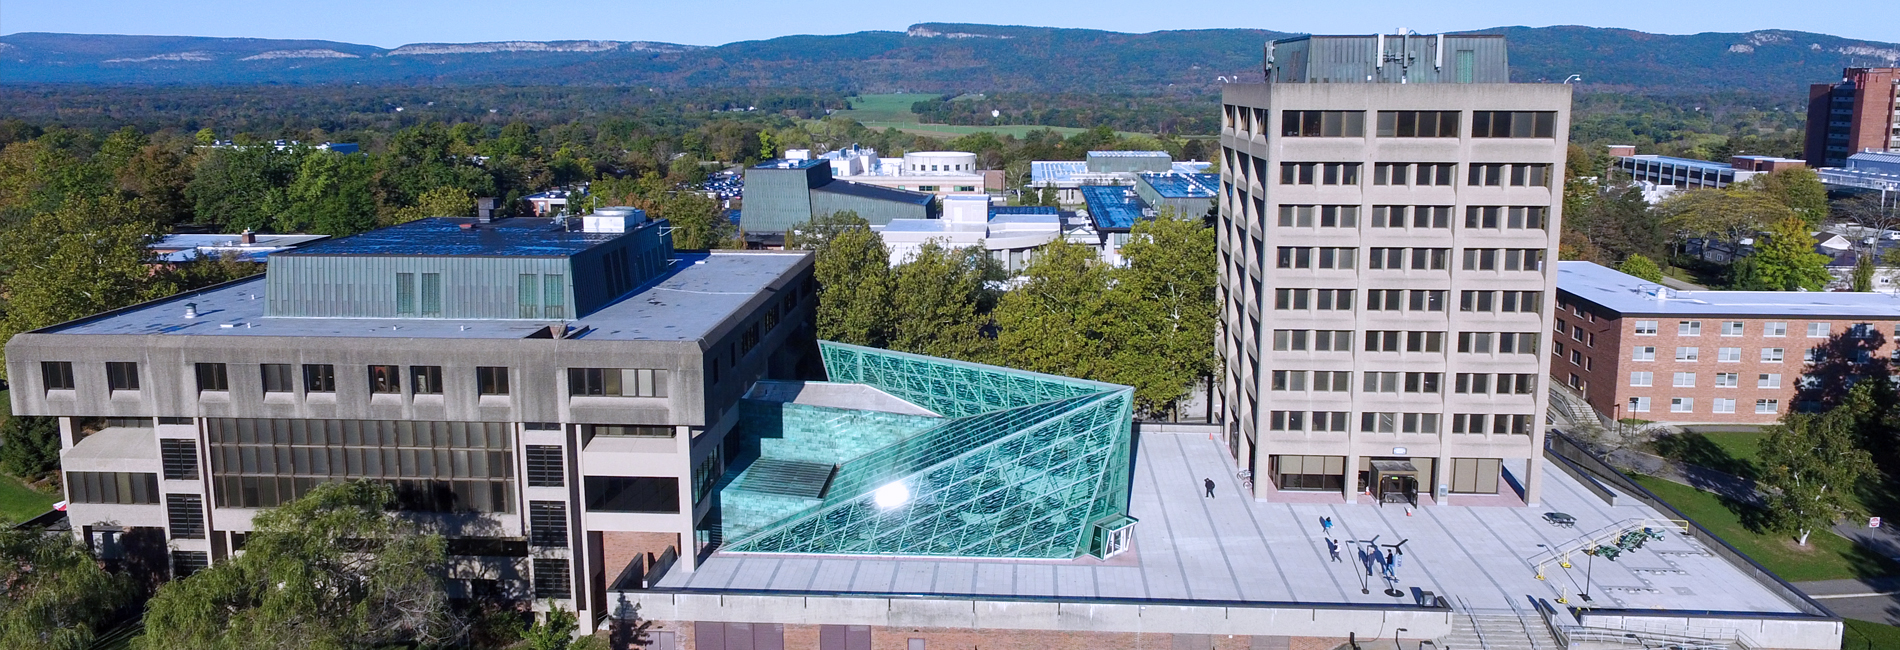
x,y
620,548
1873,108
1606,381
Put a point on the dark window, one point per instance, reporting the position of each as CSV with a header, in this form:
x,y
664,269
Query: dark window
x,y
589,431
545,466
185,563
554,295
1513,124
844,637
593,381
551,579
1323,124
633,494
180,457
491,380
211,376
319,378
122,375
112,487
1418,124
487,547
405,294
528,296
425,380
432,466
547,523
431,295
385,379
185,515
58,375
277,378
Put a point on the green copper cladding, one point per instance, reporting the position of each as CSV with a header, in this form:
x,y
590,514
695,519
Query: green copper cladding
x,y
1021,465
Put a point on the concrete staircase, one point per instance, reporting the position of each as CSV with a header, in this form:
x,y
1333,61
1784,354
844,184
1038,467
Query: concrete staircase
x,y
1501,631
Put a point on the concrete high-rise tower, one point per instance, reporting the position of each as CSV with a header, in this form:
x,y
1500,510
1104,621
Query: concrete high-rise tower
x,y
1389,218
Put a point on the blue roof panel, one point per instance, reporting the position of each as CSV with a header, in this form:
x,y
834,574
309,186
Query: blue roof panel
x,y
1183,186
447,237
1113,207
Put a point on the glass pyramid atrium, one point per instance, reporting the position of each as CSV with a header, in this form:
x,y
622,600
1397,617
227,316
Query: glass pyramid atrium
x,y
904,454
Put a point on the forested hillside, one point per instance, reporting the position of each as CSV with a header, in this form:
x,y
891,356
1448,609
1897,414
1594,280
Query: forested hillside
x,y
938,58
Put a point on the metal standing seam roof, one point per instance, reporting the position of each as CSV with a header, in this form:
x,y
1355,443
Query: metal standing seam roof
x,y
446,237
879,193
1113,207
1631,295
1683,162
1055,171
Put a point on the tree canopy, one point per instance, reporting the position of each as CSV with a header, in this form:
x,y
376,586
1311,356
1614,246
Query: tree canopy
x,y
334,570
53,593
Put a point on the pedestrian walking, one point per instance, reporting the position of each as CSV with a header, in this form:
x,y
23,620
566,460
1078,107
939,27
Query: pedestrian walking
x,y
1333,548
1209,483
1326,524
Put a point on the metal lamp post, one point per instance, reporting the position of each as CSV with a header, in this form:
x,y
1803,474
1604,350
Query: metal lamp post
x,y
1395,637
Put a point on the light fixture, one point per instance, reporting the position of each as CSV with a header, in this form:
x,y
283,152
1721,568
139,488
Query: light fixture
x,y
891,496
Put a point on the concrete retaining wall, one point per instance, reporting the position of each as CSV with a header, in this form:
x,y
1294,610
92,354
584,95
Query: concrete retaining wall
x,y
953,613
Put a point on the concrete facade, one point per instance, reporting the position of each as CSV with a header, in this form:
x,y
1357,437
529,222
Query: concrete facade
x,y
1263,220
229,378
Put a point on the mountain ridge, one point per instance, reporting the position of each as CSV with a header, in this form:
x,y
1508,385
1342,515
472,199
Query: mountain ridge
x,y
926,57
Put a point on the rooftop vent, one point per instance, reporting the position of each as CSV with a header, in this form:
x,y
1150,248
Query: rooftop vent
x,y
191,310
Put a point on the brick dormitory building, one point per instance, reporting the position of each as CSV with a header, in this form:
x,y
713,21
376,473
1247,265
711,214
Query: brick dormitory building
x,y
1636,349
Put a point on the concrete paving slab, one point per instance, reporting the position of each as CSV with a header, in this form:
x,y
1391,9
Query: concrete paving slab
x,y
1234,548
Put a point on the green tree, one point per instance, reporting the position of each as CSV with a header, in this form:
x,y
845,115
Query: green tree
x,y
334,570
554,630
698,221
29,446
333,195
57,595
158,176
938,302
444,201
1058,321
1812,465
1641,267
1727,214
86,257
1785,260
238,188
1800,189
853,270
1164,298
1864,272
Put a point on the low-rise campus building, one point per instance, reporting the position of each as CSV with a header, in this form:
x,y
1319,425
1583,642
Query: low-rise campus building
x,y
1638,349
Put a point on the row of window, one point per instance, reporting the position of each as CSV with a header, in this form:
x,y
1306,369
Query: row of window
x,y
1406,299
1503,383
1718,405
1722,355
1409,124
1645,378
1777,329
423,380
1417,174
1420,216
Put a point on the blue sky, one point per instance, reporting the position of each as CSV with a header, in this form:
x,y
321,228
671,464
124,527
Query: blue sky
x,y
389,23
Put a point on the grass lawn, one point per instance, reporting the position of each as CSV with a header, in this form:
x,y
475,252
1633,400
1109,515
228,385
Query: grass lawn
x,y
1827,556
1867,635
1735,452
20,503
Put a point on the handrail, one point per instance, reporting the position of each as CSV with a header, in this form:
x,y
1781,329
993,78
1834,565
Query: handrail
x,y
1475,627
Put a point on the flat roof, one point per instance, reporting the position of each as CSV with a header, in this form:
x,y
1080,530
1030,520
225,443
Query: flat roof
x,y
1628,294
782,163
1183,186
1112,207
446,237
699,292
1232,548
1685,162
1128,154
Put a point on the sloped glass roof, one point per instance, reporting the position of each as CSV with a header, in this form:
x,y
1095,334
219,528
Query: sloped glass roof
x,y
1020,466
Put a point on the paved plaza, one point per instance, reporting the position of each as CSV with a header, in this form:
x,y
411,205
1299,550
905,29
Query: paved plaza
x,y
1236,549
